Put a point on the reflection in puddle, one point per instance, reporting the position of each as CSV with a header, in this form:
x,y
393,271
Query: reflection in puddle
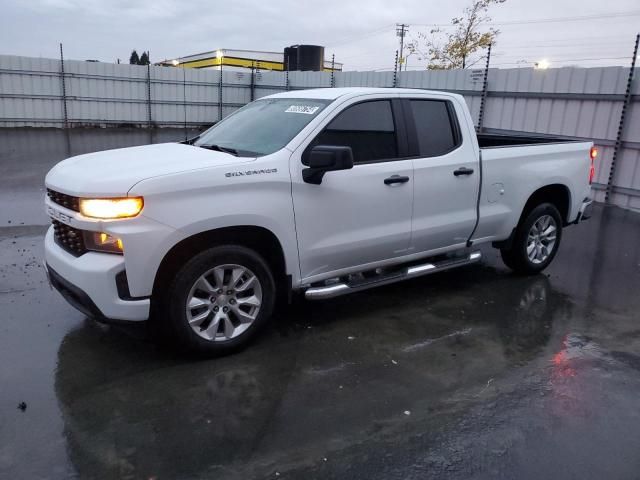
x,y
130,410
429,341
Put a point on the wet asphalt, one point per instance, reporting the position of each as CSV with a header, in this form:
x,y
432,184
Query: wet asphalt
x,y
471,373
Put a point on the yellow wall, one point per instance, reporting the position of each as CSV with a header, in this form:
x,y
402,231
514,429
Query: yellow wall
x,y
235,62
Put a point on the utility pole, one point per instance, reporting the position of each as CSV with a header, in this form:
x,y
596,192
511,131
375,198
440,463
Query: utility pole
x,y
401,30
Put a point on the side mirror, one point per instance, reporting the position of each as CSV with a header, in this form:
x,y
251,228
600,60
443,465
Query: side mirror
x,y
326,158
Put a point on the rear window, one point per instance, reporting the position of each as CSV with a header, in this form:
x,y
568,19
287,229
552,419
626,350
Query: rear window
x,y
435,128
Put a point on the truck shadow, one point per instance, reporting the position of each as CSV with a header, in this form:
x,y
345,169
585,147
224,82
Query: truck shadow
x,y
520,309
328,373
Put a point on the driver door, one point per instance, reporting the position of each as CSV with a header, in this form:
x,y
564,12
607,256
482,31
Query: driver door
x,y
361,216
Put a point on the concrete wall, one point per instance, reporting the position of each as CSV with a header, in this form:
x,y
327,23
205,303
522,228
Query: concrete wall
x,y
577,102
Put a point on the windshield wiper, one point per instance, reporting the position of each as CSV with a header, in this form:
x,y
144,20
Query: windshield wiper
x,y
231,151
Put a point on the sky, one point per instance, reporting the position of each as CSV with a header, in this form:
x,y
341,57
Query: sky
x,y
360,33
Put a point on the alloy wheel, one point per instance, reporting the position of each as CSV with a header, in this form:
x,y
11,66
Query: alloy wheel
x,y
224,302
541,239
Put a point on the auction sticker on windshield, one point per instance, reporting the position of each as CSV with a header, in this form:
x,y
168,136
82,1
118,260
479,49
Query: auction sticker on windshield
x,y
306,109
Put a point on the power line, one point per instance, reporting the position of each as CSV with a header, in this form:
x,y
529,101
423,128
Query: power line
x,y
361,36
631,13
570,19
361,55
563,60
576,41
565,45
563,56
520,62
591,42
569,50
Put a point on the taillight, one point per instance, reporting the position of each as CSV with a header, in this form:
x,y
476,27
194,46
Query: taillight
x,y
593,153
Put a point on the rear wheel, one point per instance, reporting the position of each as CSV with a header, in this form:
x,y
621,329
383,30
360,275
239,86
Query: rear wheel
x,y
536,240
218,301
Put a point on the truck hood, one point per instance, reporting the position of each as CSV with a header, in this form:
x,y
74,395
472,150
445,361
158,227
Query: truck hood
x,y
113,172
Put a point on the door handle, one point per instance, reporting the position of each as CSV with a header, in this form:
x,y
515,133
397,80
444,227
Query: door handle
x,y
463,171
396,179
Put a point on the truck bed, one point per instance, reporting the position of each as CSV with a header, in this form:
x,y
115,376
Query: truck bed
x,y
497,140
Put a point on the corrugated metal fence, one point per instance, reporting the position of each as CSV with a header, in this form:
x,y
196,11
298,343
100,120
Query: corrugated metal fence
x,y
576,102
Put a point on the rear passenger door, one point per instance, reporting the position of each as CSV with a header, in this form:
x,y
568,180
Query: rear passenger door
x,y
446,175
359,216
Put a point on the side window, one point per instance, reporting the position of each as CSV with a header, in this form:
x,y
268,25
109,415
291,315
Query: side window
x,y
368,128
436,129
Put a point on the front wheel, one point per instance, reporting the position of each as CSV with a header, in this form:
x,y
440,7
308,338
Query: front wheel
x,y
218,301
536,240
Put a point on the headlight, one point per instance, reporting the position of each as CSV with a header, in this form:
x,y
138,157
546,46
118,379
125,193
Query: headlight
x,y
111,207
102,242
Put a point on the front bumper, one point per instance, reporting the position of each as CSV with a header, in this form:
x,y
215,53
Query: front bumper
x,y
74,295
88,283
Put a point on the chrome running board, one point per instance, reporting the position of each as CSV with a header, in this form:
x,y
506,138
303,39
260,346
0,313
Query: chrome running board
x,y
337,289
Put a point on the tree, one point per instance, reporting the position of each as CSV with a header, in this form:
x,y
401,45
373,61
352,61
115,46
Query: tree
x,y
445,51
144,59
134,59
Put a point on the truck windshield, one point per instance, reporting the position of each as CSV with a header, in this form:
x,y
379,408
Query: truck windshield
x,y
262,127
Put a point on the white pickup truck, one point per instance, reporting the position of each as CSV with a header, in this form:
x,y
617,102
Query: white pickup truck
x,y
323,192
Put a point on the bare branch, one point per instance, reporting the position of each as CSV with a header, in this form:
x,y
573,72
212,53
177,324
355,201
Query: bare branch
x,y
452,50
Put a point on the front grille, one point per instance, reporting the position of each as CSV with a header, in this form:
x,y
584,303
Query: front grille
x,y
69,238
64,200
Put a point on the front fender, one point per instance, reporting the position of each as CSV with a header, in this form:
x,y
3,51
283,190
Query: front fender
x,y
193,203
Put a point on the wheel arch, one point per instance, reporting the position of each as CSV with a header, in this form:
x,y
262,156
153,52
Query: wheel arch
x,y
260,239
558,194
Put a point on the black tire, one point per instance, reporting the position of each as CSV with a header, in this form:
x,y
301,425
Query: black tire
x,y
516,257
172,315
